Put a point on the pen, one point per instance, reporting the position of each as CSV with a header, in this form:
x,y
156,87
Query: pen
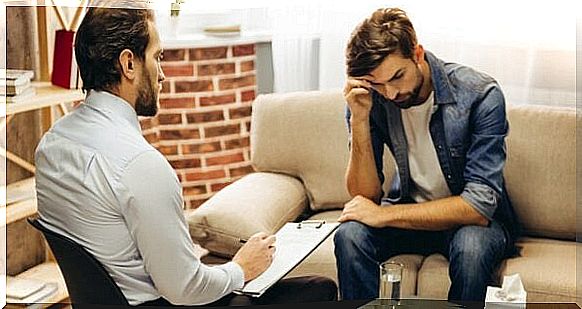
x,y
244,241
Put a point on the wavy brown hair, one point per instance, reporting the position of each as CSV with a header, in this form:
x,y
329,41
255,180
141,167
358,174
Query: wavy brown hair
x,y
102,36
385,32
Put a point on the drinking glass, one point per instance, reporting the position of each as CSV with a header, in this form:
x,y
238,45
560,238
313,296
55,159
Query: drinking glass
x,y
390,279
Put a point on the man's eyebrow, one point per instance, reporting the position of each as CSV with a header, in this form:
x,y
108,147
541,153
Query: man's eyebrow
x,y
395,74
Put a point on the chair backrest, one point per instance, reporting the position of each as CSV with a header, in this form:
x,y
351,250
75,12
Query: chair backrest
x,y
87,280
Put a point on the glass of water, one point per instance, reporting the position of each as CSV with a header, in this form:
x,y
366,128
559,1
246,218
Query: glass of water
x,y
390,279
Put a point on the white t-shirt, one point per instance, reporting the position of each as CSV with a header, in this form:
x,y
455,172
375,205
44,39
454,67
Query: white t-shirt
x,y
425,169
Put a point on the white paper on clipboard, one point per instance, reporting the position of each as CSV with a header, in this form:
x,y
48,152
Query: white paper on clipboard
x,y
294,242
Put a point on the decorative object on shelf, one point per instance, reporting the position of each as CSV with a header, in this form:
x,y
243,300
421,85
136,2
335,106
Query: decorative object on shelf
x,y
175,8
223,30
65,71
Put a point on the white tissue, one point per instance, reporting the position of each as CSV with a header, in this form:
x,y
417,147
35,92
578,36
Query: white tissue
x,y
511,294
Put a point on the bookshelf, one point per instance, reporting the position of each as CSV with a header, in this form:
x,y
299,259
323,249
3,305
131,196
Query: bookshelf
x,y
20,201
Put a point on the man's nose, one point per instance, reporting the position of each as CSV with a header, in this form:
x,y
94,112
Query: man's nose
x,y
390,92
161,74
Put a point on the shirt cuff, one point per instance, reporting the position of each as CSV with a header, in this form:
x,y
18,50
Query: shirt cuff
x,y
236,273
482,198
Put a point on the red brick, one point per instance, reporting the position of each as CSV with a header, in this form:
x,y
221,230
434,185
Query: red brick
x,y
180,177
193,86
248,95
193,204
238,157
243,50
174,55
237,82
240,112
178,70
237,143
169,118
216,100
185,163
166,88
152,138
146,123
177,103
219,186
179,134
246,66
222,130
208,53
168,150
205,116
205,175
201,148
216,69
194,190
241,171
248,126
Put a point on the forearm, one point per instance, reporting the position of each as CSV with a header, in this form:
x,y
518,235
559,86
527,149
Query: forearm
x,y
361,175
435,215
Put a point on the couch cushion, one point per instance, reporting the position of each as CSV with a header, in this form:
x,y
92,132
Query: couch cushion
x,y
433,278
541,169
304,135
258,202
547,269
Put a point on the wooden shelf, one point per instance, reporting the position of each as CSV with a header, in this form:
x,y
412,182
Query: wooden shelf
x,y
20,200
46,95
48,272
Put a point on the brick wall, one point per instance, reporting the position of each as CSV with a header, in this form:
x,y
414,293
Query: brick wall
x,y
203,123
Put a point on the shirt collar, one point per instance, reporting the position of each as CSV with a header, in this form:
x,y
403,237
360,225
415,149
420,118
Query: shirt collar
x,y
114,106
440,80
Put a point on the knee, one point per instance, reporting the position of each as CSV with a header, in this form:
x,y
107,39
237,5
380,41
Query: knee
x,y
350,238
472,246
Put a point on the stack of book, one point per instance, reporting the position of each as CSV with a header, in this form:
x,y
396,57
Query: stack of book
x,y
16,85
28,291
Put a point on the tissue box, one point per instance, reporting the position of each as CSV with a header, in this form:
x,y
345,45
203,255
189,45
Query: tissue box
x,y
494,302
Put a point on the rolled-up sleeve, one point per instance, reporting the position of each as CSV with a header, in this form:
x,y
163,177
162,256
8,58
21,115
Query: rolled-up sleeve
x,y
486,154
154,215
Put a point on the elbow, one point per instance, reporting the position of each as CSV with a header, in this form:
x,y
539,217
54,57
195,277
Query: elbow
x,y
373,194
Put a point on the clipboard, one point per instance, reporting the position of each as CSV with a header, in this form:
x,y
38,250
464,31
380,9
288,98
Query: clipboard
x,y
294,242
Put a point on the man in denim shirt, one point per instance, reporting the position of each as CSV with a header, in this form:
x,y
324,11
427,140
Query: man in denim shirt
x,y
445,125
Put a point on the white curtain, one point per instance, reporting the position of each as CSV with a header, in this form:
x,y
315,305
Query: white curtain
x,y
530,48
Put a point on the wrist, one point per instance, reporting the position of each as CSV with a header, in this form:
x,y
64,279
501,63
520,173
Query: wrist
x,y
357,120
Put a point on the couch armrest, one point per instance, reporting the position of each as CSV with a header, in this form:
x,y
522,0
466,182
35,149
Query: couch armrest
x,y
258,202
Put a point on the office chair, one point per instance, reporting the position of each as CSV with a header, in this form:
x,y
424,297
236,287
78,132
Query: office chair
x,y
87,280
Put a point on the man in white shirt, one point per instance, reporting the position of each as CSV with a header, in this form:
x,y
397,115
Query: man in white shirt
x,y
100,183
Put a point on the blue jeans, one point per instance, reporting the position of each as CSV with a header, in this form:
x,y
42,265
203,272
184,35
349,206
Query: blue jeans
x,y
474,254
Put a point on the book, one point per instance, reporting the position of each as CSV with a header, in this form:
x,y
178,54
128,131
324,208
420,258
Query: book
x,y
18,288
28,94
41,296
293,243
65,71
12,90
12,77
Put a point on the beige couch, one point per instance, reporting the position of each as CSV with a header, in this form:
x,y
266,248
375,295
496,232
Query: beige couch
x,y
299,148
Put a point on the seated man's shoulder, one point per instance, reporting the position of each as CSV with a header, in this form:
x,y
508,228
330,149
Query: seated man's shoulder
x,y
465,79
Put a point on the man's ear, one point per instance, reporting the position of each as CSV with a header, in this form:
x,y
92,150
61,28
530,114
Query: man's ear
x,y
127,62
418,54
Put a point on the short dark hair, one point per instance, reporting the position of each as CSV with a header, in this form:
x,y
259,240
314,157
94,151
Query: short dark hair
x,y
385,32
102,36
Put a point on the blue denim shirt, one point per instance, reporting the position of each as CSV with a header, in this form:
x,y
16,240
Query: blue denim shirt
x,y
468,130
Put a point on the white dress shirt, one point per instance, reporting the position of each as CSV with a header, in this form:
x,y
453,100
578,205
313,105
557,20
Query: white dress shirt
x,y
100,183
